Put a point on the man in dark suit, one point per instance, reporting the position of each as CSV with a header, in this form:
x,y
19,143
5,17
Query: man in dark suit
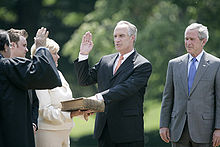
x,y
17,75
122,79
18,39
190,112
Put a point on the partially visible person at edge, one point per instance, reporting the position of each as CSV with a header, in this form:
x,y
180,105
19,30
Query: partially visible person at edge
x,y
18,40
190,112
122,80
54,125
17,75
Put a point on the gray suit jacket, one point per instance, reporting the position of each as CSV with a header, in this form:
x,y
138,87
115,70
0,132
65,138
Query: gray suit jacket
x,y
201,108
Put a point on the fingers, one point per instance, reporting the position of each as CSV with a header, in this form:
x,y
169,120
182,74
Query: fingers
x,y
86,44
42,32
41,36
87,37
86,116
165,135
216,138
168,135
46,34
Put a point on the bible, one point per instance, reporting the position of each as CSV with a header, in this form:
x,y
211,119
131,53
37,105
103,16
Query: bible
x,y
83,104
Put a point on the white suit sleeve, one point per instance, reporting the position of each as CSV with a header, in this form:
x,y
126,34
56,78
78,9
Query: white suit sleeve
x,y
48,112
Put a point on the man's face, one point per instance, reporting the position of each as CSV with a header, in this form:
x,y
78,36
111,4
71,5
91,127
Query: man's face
x,y
123,42
19,49
193,44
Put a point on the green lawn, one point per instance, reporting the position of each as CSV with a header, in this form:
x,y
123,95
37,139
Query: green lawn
x,y
151,120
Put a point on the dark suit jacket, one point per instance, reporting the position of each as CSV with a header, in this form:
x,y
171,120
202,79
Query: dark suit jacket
x,y
123,94
17,75
201,108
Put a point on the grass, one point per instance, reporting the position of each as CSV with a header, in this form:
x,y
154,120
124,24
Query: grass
x,y
82,127
152,116
151,120
81,135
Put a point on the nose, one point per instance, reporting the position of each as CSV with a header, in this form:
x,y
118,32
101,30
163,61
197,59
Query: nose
x,y
187,42
117,39
26,49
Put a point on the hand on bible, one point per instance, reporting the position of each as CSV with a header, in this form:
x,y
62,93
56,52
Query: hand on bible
x,y
87,113
76,113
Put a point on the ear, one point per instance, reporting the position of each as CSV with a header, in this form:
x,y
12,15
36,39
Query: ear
x,y
132,37
204,41
13,44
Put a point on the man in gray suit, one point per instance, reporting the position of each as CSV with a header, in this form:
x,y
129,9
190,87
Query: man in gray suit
x,y
190,112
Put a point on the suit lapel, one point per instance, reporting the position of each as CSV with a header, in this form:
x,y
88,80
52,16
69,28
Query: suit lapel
x,y
183,72
111,64
126,64
203,65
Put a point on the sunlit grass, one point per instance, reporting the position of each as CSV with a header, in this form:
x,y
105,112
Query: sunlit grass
x,y
151,120
152,116
82,127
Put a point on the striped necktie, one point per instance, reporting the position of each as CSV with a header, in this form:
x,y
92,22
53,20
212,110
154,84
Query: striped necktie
x,y
119,63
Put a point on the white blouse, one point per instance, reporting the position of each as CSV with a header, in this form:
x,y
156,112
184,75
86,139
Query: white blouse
x,y
50,115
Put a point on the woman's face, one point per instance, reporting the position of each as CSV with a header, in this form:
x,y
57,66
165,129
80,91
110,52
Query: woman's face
x,y
55,56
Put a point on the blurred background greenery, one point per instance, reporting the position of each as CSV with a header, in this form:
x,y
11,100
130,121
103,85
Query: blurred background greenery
x,y
160,23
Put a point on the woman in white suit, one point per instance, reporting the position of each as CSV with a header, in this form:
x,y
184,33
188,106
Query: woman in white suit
x,y
54,124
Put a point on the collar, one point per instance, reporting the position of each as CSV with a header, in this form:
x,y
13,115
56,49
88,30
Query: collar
x,y
127,55
198,58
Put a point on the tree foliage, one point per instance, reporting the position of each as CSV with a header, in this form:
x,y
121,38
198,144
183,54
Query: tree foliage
x,y
161,25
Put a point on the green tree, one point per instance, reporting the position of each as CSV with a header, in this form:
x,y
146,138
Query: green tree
x,y
160,34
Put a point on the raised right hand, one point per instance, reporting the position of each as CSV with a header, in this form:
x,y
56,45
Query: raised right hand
x,y
86,44
165,134
41,36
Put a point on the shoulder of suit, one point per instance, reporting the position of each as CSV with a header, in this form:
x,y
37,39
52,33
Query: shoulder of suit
x,y
178,59
142,58
109,57
211,57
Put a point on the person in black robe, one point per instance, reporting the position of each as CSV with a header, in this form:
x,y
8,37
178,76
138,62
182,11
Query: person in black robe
x,y
17,75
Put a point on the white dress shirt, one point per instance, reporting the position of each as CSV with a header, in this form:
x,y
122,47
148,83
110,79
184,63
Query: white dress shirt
x,y
198,58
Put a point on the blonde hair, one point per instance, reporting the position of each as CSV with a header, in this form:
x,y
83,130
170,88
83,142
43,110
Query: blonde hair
x,y
50,44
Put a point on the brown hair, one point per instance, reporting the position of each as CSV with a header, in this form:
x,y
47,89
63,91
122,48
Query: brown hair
x,y
14,34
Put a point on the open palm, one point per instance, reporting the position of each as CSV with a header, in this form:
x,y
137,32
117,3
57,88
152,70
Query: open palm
x,y
86,44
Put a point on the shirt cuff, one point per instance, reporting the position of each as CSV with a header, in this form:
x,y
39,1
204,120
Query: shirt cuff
x,y
99,97
82,57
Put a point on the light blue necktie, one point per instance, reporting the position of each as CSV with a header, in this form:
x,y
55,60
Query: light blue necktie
x,y
192,73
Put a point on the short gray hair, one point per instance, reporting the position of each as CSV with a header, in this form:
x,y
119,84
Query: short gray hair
x,y
132,30
202,30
